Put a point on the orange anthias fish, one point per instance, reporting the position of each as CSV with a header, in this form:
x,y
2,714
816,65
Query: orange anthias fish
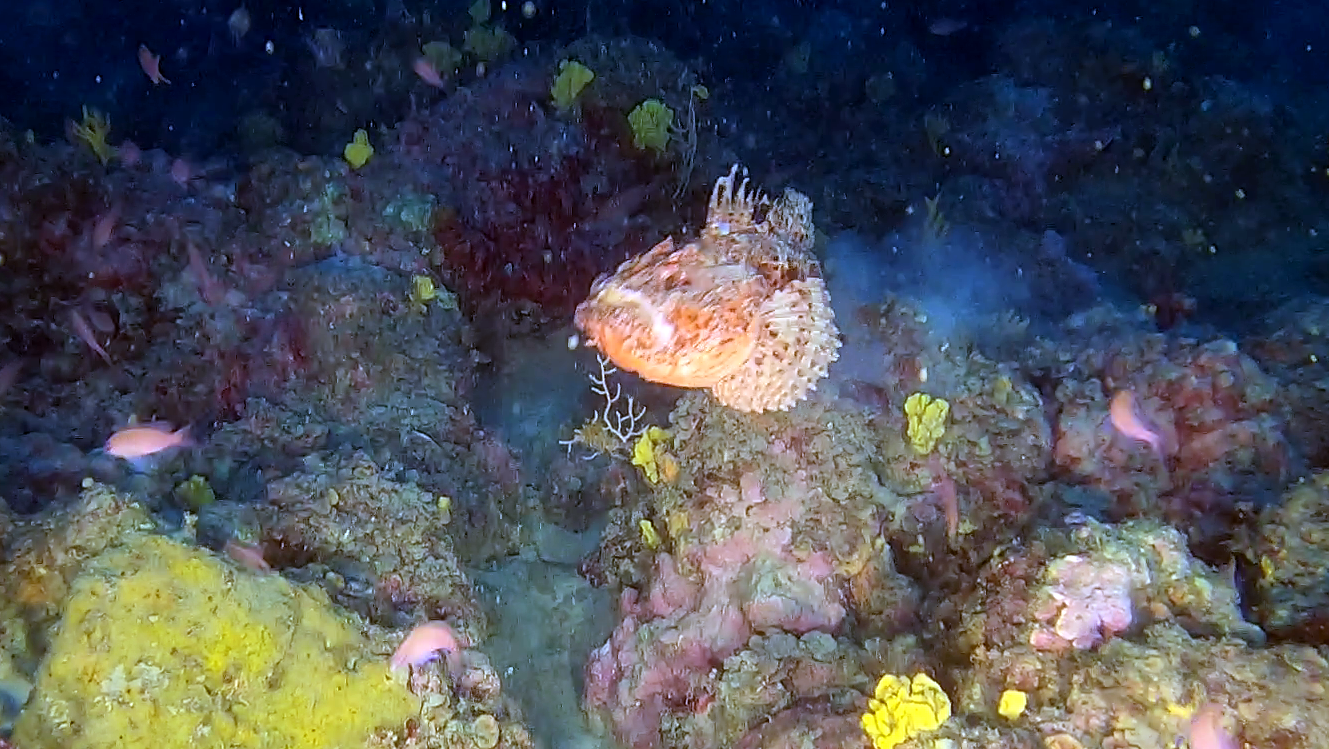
x,y
742,310
85,334
947,26
249,556
151,65
1207,731
104,229
137,443
428,72
424,643
943,488
211,291
1126,418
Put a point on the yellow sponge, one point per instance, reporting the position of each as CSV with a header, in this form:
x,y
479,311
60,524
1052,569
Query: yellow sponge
x,y
927,421
358,152
651,456
572,78
1012,704
165,645
651,121
902,708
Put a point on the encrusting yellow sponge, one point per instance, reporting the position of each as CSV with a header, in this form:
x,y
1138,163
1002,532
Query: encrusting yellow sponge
x,y
902,708
165,645
572,78
650,456
650,122
1012,704
358,152
926,421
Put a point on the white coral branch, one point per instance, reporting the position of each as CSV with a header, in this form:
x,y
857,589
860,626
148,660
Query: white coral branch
x,y
622,418
626,424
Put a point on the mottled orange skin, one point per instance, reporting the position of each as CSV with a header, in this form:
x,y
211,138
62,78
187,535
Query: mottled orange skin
x,y
741,310
674,317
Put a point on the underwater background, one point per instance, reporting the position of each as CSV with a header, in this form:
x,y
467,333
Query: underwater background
x,y
594,374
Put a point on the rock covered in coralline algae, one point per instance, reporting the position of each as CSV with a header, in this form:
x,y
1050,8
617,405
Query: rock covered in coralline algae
x,y
767,536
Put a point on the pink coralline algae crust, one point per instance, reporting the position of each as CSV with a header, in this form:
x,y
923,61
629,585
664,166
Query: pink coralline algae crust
x,y
1090,602
799,727
770,537
661,657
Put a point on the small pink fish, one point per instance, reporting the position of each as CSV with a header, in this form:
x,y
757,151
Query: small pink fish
x,y
104,229
428,72
208,286
1207,731
947,26
1125,416
249,556
85,334
138,442
181,172
424,643
151,65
